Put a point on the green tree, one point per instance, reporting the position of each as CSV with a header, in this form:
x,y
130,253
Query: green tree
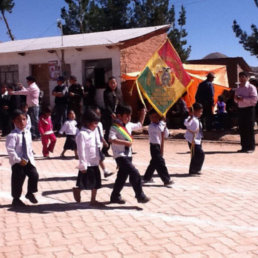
x,y
159,12
101,15
249,42
6,6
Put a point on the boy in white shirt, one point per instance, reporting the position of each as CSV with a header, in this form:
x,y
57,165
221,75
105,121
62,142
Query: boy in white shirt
x,y
121,142
194,137
157,132
18,145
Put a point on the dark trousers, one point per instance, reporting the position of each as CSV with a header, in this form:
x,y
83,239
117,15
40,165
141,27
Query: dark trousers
x,y
18,176
207,116
5,121
126,168
60,115
197,159
108,124
157,163
246,118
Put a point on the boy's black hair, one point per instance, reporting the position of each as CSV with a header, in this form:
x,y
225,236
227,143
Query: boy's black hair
x,y
23,105
72,77
221,98
90,116
46,109
111,78
123,109
197,106
152,111
16,113
243,74
30,78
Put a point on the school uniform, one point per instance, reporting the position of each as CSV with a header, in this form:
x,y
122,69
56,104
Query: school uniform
x,y
157,161
18,146
194,137
70,130
123,157
87,146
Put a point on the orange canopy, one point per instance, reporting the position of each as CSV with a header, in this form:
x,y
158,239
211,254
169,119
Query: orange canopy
x,y
198,74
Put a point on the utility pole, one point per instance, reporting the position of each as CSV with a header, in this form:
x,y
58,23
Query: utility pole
x,y
63,67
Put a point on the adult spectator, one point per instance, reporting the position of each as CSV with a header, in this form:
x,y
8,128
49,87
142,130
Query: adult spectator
x,y
32,100
15,100
89,93
75,97
205,96
60,92
112,97
5,111
246,98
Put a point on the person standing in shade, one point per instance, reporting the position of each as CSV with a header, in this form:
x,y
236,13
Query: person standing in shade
x,y
246,98
75,96
61,97
32,100
112,98
5,111
89,93
205,96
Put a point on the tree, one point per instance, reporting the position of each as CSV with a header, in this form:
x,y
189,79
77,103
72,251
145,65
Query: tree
x,y
249,42
102,15
178,35
158,12
7,6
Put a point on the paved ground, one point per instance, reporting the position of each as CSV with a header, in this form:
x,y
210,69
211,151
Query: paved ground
x,y
214,215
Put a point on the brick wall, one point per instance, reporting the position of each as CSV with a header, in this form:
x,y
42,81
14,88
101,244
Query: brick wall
x,y
135,53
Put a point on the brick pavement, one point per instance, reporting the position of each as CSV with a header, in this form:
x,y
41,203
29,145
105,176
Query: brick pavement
x,y
214,215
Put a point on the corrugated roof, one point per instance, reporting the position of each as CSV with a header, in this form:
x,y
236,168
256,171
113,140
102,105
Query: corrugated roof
x,y
105,38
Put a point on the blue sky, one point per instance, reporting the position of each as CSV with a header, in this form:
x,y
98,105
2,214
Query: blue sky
x,y
209,23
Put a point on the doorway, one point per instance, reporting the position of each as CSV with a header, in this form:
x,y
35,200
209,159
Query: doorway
x,y
41,73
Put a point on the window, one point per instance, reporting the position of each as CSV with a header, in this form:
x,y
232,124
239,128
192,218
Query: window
x,y
9,74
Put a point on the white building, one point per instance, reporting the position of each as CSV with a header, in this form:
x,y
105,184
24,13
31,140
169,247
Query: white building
x,y
92,55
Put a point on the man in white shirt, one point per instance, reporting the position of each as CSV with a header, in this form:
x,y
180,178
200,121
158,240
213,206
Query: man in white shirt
x,y
246,98
32,100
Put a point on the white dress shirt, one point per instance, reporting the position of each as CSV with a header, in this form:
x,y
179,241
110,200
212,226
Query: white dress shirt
x,y
155,131
28,126
100,134
69,128
249,94
118,149
14,146
32,93
87,147
193,130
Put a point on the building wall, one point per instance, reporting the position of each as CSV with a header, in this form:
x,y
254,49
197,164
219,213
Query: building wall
x,y
136,52
72,56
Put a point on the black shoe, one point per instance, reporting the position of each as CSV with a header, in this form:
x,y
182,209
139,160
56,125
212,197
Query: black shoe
x,y
169,184
241,151
118,200
17,203
31,197
143,199
145,181
194,173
